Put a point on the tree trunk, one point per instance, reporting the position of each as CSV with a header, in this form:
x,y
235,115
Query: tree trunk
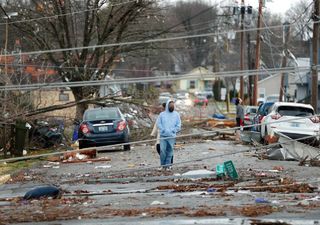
x,y
79,94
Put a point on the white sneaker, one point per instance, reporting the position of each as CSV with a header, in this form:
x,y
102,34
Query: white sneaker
x,y
169,168
160,168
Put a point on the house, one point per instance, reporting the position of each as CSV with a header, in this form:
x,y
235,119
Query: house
x,y
197,83
303,82
271,86
51,97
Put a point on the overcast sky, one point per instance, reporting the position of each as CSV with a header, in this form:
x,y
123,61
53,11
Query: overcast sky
x,y
275,6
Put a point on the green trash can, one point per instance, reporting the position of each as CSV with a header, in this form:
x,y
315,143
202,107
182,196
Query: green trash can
x,y
20,137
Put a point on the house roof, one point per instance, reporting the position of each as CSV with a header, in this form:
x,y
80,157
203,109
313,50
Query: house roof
x,y
201,71
301,76
268,78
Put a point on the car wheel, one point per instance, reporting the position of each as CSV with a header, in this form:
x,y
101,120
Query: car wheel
x,y
126,147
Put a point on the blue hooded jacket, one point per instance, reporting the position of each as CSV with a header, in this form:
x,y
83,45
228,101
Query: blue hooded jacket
x,y
169,123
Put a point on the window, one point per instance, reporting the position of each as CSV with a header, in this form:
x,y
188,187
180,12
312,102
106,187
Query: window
x,y
63,97
295,111
102,114
192,84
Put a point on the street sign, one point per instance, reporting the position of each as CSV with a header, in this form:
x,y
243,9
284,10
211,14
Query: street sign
x,y
231,170
220,171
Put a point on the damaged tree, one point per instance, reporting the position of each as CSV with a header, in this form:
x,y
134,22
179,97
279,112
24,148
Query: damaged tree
x,y
73,26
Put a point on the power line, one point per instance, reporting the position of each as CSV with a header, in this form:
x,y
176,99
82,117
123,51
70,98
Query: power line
x,y
178,137
202,23
141,42
188,49
269,39
44,67
303,13
210,76
66,14
93,47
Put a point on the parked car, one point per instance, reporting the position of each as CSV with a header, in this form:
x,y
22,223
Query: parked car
x,y
200,100
183,103
294,120
182,93
206,93
164,97
261,113
249,113
103,126
166,94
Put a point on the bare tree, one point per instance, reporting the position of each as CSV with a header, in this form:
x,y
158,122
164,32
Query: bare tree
x,y
300,15
195,17
73,24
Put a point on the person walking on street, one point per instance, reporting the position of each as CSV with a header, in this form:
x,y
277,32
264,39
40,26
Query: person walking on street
x,y
156,133
239,116
169,124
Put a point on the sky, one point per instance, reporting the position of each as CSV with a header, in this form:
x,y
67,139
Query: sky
x,y
275,6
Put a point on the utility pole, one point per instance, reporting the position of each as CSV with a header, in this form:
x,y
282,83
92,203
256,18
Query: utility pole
x,y
242,11
250,85
257,64
314,69
286,34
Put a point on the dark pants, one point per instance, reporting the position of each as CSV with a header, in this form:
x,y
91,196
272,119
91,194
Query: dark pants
x,y
239,122
158,150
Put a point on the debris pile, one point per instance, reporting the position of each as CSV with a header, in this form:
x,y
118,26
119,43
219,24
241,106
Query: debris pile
x,y
43,192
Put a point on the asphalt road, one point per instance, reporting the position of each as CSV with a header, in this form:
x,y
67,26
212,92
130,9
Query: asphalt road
x,y
129,190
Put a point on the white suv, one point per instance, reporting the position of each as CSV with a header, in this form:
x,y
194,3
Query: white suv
x,y
294,120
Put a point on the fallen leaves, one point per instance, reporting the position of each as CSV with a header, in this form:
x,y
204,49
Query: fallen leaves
x,y
195,187
256,210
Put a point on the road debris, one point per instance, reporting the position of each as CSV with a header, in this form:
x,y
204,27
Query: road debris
x,y
231,170
298,149
196,187
278,153
198,173
148,193
4,178
261,200
257,210
43,192
103,167
83,154
157,203
221,123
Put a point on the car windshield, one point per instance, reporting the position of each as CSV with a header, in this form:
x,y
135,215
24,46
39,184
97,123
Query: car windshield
x,y
251,110
103,114
264,109
295,111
